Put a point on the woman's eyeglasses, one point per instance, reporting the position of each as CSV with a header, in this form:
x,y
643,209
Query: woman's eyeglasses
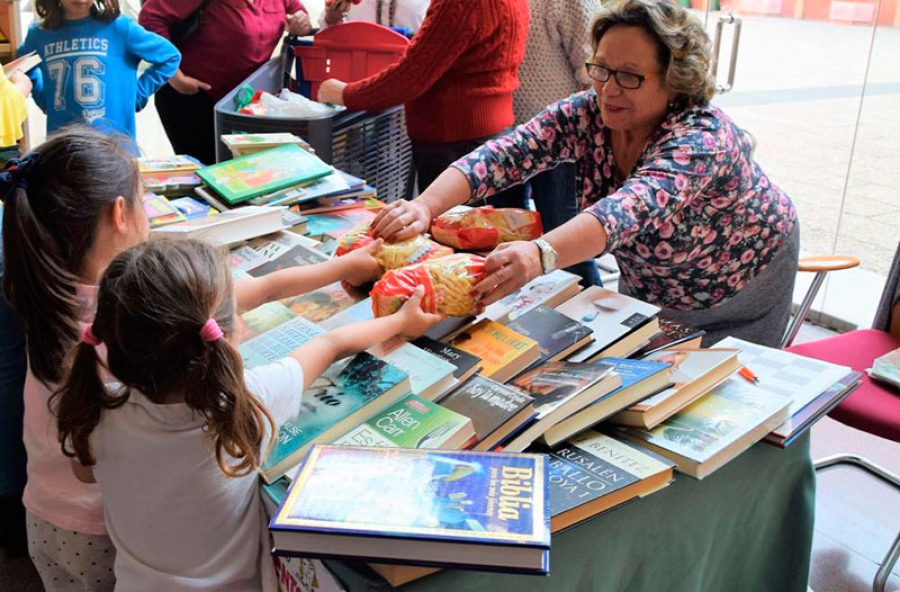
x,y
628,80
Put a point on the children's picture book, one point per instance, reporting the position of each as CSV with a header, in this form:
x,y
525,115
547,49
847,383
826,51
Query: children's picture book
x,y
177,163
693,373
460,509
192,208
497,410
548,290
331,184
593,473
160,211
177,183
611,315
347,394
278,342
412,422
334,225
640,378
263,172
226,227
429,376
503,352
556,334
241,144
712,431
465,363
560,389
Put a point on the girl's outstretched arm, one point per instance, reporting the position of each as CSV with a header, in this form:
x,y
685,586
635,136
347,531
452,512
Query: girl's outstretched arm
x,y
356,268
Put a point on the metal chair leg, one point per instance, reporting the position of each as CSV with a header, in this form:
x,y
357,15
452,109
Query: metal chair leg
x,y
887,564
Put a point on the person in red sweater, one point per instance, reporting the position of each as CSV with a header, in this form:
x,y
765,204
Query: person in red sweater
x,y
456,80
233,40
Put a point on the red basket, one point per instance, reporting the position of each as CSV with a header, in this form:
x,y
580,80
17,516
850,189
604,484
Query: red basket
x,y
349,52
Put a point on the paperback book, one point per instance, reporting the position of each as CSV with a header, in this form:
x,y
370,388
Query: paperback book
x,y
496,410
462,509
503,352
322,304
465,363
160,211
429,376
347,394
547,290
277,343
264,318
557,335
296,256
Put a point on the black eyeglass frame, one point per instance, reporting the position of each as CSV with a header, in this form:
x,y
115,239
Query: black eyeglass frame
x,y
610,73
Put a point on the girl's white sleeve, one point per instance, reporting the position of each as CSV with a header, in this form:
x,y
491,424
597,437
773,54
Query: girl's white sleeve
x,y
279,386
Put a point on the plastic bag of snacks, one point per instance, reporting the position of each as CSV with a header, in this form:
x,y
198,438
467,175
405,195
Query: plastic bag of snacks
x,y
392,255
448,285
485,227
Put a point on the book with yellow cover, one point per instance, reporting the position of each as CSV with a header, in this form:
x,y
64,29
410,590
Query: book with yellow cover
x,y
503,352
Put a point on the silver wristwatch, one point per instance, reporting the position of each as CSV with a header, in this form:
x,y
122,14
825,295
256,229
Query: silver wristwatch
x,y
549,256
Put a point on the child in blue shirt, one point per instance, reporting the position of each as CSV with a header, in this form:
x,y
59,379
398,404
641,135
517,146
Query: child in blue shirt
x,y
90,56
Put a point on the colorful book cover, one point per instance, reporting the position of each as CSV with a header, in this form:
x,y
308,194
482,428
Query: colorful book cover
x,y
398,496
356,313
555,383
334,225
503,352
277,343
590,473
327,185
429,376
264,318
349,392
192,208
179,162
323,303
262,172
466,364
273,139
489,404
549,290
160,211
412,422
556,334
611,315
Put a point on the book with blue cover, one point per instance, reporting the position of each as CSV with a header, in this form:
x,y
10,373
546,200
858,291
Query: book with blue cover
x,y
640,379
459,509
349,393
278,342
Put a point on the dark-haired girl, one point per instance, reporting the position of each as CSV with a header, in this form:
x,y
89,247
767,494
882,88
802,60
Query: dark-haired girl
x,y
174,444
89,70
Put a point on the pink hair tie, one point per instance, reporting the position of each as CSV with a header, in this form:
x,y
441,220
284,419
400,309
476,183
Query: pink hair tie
x,y
210,331
88,337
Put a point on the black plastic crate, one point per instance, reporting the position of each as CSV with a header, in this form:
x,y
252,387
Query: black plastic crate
x,y
370,145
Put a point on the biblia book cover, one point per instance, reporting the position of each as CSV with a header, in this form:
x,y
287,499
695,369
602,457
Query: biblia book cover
x,y
401,502
338,395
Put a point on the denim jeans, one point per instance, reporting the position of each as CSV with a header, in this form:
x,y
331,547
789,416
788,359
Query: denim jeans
x,y
554,196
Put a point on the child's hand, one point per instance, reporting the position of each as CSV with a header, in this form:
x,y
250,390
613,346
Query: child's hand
x,y
362,267
22,82
415,320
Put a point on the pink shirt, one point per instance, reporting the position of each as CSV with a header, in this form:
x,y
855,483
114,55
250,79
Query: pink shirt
x,y
52,492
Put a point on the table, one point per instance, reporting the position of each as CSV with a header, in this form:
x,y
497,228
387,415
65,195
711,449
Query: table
x,y
747,527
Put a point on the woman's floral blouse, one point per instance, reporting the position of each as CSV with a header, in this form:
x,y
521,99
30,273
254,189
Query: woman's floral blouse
x,y
694,222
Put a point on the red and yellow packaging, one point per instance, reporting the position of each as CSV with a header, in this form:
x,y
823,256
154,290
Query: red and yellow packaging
x,y
448,283
483,228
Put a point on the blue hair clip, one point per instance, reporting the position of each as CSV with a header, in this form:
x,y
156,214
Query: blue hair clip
x,y
15,174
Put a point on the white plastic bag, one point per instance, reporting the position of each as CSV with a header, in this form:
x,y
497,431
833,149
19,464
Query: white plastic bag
x,y
289,104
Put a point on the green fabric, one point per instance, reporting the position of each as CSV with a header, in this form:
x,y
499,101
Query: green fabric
x,y
747,527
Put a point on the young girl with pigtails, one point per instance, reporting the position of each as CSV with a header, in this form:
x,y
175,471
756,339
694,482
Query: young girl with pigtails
x,y
70,207
176,441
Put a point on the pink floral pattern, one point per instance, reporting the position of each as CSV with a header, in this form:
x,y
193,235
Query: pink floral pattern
x,y
693,224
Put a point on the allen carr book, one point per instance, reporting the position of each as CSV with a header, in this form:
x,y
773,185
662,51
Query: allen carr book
x,y
503,352
710,432
640,378
412,422
429,376
593,473
560,389
611,315
548,290
254,174
496,410
557,335
466,364
278,343
455,509
347,394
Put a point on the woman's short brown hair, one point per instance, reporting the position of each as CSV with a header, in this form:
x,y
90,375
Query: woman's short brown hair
x,y
683,47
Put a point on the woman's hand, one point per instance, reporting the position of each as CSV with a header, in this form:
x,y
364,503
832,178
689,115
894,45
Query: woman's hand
x,y
187,85
415,320
335,10
298,24
401,219
361,265
332,91
509,267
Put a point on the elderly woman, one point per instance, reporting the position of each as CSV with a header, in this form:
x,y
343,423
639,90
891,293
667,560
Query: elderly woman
x,y
666,183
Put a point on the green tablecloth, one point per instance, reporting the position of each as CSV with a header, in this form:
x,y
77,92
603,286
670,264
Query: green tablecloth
x,y
747,527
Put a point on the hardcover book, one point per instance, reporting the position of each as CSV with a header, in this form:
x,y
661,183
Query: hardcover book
x,y
593,473
560,389
254,174
693,373
557,335
672,335
712,431
548,290
177,163
277,343
192,208
429,376
328,185
496,410
466,364
227,227
640,378
463,509
160,211
347,394
412,422
611,315
503,352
